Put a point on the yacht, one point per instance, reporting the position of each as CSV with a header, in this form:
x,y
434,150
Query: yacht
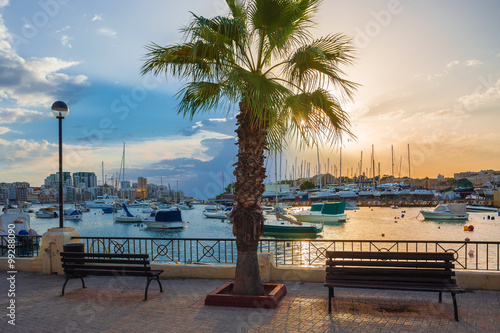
x,y
102,201
447,212
165,219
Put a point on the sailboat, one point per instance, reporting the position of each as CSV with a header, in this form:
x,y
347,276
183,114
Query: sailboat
x,y
126,216
284,225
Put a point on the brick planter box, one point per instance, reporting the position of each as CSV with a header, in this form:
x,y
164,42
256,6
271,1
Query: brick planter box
x,y
223,297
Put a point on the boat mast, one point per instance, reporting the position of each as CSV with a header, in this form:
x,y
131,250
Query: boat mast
x,y
409,166
319,167
392,159
361,167
340,168
373,165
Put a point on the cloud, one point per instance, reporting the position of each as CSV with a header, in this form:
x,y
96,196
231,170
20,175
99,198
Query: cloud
x,y
225,126
35,81
97,17
107,32
473,62
198,178
4,130
479,97
18,115
4,3
65,40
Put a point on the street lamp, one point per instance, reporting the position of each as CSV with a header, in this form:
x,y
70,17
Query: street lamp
x,y
60,110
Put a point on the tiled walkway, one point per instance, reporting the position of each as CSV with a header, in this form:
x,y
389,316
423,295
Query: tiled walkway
x,y
116,305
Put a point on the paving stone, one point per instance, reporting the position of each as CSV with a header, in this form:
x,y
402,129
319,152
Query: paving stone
x,y
115,305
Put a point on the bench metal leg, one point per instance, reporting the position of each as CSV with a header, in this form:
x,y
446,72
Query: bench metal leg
x,y
147,286
440,297
67,279
455,305
330,296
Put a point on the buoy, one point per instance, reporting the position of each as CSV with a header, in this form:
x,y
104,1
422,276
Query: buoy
x,y
395,221
177,263
383,235
492,217
466,228
403,215
471,228
489,217
467,239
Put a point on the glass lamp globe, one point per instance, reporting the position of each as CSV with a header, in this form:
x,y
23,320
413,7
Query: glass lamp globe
x,y
60,109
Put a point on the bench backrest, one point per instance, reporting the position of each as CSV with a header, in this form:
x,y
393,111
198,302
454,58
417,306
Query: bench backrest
x,y
403,265
105,261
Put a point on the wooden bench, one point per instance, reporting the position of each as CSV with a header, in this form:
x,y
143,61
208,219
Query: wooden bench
x,y
80,264
412,271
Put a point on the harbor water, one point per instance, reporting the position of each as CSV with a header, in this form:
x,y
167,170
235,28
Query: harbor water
x,y
367,223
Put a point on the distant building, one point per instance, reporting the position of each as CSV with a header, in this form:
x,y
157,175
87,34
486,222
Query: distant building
x,y
53,179
84,179
142,188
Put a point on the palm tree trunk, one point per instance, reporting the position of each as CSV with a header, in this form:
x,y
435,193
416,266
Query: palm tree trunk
x,y
248,221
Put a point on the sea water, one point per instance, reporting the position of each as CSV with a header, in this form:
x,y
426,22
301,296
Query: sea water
x,y
367,223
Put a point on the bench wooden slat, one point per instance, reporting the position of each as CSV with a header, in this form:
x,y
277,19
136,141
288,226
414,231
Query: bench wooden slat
x,y
391,255
392,263
431,279
112,272
402,286
107,267
109,261
375,271
104,255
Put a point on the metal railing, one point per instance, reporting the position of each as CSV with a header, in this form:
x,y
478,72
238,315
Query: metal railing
x,y
24,246
290,252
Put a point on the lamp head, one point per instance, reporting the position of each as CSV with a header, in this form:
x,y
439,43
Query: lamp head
x,y
60,109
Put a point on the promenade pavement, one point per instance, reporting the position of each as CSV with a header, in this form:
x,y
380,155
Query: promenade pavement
x,y
116,305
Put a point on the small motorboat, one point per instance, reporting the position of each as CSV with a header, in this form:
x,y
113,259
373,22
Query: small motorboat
x,y
476,208
72,214
19,223
47,213
452,212
165,219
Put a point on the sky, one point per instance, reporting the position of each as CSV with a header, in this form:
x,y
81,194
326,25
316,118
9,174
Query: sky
x,y
429,75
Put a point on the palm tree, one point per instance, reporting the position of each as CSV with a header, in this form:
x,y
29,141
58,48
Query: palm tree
x,y
262,58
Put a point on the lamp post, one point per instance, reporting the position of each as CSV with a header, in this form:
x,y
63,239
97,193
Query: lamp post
x,y
60,110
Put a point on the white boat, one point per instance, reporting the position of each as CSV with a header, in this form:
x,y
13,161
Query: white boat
x,y
136,204
20,223
102,201
475,208
283,227
126,216
165,219
324,195
218,213
47,213
447,212
186,205
328,212
72,214
344,194
349,205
